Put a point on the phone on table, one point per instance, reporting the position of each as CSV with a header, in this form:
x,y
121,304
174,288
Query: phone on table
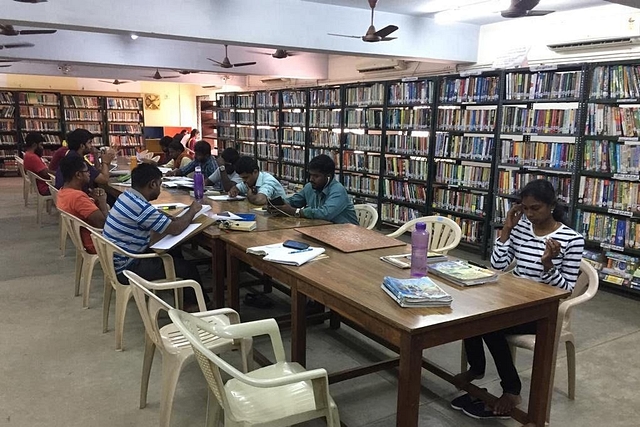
x,y
276,201
295,245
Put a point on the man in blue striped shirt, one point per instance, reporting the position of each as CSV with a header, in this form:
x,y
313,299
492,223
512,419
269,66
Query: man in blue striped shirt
x,y
131,221
259,187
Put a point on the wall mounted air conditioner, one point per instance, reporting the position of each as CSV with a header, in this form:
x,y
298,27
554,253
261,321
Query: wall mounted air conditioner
x,y
595,44
380,65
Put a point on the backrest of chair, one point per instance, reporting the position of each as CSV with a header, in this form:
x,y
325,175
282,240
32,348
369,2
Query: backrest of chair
x,y
367,215
105,250
149,305
54,193
444,232
407,226
74,225
586,286
20,163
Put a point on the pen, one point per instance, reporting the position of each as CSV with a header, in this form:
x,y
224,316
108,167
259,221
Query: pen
x,y
166,208
301,250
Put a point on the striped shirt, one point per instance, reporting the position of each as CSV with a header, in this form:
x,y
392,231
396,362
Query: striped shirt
x,y
129,225
266,184
526,249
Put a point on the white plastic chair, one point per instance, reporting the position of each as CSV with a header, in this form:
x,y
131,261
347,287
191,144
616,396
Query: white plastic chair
x,y
281,394
367,215
85,262
64,231
106,250
26,181
43,200
174,348
444,233
585,289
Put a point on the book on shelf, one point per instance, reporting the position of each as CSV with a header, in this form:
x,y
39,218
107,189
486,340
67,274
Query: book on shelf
x,y
416,292
404,260
279,254
463,273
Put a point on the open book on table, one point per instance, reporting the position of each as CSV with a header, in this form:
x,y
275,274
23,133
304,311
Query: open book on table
x,y
199,223
463,273
281,255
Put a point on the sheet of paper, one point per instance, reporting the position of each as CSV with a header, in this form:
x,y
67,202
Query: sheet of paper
x,y
170,241
164,170
169,205
226,198
224,216
205,209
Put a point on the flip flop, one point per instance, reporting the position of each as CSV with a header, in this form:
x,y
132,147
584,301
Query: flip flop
x,y
257,300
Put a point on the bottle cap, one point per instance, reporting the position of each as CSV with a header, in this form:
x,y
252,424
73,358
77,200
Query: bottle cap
x,y
421,226
198,169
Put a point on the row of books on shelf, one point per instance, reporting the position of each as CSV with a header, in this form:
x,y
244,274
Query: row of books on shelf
x,y
268,117
615,81
265,99
470,89
267,135
418,92
324,97
291,118
611,194
465,174
227,117
37,98
7,153
9,165
7,111
8,139
268,151
539,154
88,115
511,181
398,214
245,133
553,121
403,191
544,85
293,136
294,155
323,138
294,98
403,118
49,138
459,201
365,95
407,144
245,118
123,104
364,142
472,230
412,168
71,101
124,116
622,233
467,120
361,184
39,125
91,127
463,147
324,118
6,126
40,112
611,157
358,118
610,120
501,208
122,128
615,268
244,101
360,162
6,98
294,173
125,140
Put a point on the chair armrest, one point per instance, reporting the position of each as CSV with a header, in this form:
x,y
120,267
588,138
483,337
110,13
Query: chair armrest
x,y
252,329
233,315
566,305
313,375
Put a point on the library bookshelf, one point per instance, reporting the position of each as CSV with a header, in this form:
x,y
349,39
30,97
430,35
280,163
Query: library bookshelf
x,y
8,133
124,124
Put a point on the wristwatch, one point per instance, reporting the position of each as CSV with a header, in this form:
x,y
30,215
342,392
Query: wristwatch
x,y
550,272
222,168
297,214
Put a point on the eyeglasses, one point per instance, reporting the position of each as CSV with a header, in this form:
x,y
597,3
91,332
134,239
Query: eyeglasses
x,y
85,170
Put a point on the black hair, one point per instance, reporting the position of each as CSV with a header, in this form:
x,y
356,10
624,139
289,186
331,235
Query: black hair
x,y
143,174
70,165
246,164
323,164
230,155
543,191
78,137
178,137
194,132
202,147
176,146
165,141
33,138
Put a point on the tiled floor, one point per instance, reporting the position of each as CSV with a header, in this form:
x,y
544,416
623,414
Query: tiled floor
x,y
58,369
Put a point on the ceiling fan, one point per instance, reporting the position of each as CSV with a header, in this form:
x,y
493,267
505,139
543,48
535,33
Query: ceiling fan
x,y
278,54
372,35
227,64
186,72
15,45
115,82
31,1
523,9
157,76
212,87
9,30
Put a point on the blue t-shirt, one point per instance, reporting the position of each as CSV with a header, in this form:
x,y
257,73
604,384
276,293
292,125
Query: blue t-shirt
x,y
332,203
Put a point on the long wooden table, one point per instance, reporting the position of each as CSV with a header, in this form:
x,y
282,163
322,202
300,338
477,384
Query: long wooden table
x,y
210,237
349,284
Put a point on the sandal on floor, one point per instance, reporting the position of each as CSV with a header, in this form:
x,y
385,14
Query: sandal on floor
x,y
257,300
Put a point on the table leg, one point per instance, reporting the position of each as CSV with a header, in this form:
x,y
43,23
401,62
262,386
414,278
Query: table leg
x,y
298,327
544,359
409,382
218,266
233,288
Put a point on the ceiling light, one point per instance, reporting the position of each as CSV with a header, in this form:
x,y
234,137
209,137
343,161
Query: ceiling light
x,y
134,37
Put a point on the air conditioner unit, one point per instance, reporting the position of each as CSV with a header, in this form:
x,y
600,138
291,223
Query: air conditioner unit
x,y
380,65
595,44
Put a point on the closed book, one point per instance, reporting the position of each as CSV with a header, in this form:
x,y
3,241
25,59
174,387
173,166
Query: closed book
x,y
463,273
279,254
416,292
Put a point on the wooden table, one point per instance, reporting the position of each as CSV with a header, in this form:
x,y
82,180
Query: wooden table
x,y
210,237
349,284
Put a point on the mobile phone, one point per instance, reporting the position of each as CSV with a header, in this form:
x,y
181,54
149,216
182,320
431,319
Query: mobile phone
x,y
295,245
276,201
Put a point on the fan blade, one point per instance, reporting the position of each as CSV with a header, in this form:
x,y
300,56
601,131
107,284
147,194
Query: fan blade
x,y
170,77
244,64
211,87
539,12
387,39
16,45
344,35
31,32
5,66
10,60
213,60
384,32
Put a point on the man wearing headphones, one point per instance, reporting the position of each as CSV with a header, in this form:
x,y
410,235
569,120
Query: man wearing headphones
x,y
323,197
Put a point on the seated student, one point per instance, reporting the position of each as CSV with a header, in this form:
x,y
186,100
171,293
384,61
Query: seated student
x,y
258,186
57,156
202,158
33,160
132,220
73,200
177,156
545,250
79,144
164,146
225,176
323,197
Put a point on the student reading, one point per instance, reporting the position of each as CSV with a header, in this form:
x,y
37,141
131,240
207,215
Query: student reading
x,y
323,197
544,250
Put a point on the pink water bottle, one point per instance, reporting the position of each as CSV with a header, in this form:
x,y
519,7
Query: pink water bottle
x,y
419,249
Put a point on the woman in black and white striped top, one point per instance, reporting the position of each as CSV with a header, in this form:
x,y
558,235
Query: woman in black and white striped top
x,y
545,250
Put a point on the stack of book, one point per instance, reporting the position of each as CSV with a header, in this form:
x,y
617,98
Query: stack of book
x,y
417,292
462,273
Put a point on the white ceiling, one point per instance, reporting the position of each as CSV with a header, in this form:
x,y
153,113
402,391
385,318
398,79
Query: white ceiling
x,y
184,37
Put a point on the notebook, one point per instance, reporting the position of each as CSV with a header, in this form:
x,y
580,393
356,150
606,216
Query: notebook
x,y
281,255
463,273
404,260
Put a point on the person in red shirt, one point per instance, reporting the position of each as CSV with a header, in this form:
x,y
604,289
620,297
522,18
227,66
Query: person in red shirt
x,y
57,156
71,199
33,161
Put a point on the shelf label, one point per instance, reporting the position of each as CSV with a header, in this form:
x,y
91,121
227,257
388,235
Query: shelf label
x,y
470,73
628,138
620,212
611,247
626,177
628,100
409,79
543,67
